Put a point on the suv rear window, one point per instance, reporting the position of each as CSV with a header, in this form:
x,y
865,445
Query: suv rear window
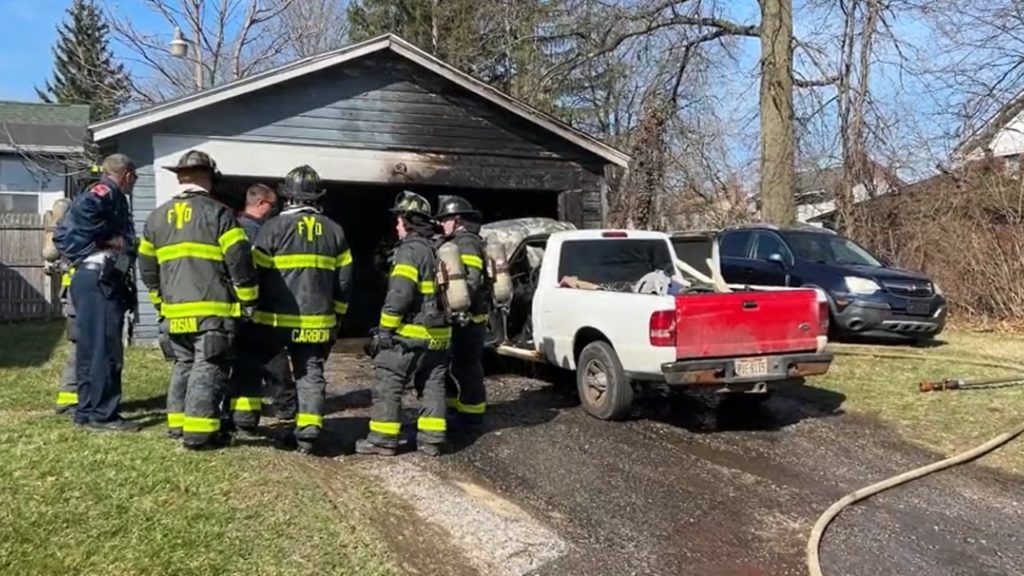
x,y
614,261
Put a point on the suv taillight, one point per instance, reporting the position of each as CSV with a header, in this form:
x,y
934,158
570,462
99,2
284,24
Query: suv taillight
x,y
823,312
663,328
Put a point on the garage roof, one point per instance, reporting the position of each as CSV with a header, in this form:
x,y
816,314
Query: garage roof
x,y
128,122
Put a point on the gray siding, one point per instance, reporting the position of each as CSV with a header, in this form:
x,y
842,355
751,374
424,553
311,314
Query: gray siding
x,y
379,103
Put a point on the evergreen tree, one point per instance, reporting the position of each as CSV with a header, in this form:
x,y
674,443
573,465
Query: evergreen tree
x,y
84,70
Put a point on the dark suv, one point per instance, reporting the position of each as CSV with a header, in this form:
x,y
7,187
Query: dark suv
x,y
867,297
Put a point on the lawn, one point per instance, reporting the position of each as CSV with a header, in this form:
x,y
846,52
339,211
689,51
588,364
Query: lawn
x,y
947,422
84,502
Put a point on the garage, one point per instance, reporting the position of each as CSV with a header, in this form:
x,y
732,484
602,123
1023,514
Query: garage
x,y
373,119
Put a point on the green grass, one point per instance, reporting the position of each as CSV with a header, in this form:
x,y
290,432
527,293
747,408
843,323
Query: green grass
x,y
81,502
950,421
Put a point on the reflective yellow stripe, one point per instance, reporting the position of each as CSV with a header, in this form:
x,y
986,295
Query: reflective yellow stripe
x,y
423,333
175,419
188,309
386,428
303,261
344,259
67,398
261,259
302,420
65,279
427,287
294,321
478,318
472,261
230,238
246,404
452,402
200,425
247,293
189,250
340,307
431,424
154,297
406,271
146,248
389,320
471,408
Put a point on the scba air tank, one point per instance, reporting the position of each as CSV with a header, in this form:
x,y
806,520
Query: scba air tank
x,y
60,208
497,267
454,277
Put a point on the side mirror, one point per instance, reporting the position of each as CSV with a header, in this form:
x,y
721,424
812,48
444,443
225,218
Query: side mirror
x,y
777,259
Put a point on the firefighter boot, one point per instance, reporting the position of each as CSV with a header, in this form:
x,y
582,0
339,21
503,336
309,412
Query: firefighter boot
x,y
365,446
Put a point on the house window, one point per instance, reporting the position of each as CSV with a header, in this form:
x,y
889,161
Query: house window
x,y
19,203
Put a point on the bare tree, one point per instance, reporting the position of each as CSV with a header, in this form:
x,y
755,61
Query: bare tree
x,y
230,39
313,26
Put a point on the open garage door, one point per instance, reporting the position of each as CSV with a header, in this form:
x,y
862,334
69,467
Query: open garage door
x,y
363,212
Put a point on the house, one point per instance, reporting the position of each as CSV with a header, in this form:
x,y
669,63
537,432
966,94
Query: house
x,y
40,144
372,118
817,189
999,143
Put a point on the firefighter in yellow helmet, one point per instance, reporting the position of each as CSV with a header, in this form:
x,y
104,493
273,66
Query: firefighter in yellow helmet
x,y
410,345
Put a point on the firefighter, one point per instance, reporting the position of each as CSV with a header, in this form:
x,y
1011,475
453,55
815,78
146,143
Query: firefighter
x,y
410,345
261,204
460,224
197,264
97,237
305,277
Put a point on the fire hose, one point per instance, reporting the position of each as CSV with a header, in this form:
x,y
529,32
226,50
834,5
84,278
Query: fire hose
x,y
814,542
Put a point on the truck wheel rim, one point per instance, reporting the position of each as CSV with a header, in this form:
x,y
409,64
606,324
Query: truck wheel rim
x,y
596,379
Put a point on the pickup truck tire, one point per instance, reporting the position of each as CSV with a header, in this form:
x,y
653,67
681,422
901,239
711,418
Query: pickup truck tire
x,y
605,391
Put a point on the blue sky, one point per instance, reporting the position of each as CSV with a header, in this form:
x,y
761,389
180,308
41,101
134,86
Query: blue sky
x,y
30,31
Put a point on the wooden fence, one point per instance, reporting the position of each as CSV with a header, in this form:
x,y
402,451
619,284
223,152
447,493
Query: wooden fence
x,y
26,291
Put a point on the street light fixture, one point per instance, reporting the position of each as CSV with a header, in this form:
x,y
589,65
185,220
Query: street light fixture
x,y
180,48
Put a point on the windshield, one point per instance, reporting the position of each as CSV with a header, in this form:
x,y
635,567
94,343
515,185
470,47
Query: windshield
x,y
829,249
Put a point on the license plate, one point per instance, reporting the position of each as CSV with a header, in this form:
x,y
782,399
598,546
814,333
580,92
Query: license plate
x,y
918,308
751,367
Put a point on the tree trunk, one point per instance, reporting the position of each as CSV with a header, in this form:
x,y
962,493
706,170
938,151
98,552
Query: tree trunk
x,y
777,155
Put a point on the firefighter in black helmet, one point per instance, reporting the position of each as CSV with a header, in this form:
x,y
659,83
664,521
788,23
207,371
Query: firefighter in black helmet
x,y
305,270
197,264
410,345
460,223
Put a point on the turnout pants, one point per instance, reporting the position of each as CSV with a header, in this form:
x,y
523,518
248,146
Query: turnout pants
x,y
400,367
465,379
260,359
198,383
99,356
67,394
270,347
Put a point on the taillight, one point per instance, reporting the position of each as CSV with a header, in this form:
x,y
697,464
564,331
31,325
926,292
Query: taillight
x,y
614,234
823,312
663,328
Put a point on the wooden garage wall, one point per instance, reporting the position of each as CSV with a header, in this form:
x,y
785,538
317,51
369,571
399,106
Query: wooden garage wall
x,y
383,102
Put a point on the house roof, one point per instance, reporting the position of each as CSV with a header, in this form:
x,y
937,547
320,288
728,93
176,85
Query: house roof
x,y
388,42
43,128
983,136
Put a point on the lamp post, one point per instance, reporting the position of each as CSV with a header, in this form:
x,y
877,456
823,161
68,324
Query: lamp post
x,y
179,49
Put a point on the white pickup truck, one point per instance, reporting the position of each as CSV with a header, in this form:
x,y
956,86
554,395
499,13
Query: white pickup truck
x,y
575,306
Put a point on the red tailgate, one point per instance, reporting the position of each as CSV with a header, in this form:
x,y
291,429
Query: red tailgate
x,y
746,324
